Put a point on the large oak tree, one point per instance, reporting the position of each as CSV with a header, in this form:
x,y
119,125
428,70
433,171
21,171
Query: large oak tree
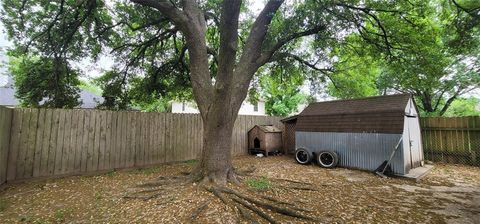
x,y
214,46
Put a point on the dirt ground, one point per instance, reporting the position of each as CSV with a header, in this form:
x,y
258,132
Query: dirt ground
x,y
449,194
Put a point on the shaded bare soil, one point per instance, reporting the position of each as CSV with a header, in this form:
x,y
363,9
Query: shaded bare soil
x,y
450,194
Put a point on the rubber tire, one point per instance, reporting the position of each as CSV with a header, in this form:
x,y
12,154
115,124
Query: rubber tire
x,y
308,153
333,164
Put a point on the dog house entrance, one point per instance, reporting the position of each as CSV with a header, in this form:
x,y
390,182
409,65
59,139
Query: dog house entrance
x,y
256,143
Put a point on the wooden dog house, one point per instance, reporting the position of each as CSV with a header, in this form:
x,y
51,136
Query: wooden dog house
x,y
265,139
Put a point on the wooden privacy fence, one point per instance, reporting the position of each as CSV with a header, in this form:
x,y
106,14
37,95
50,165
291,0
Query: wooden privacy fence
x,y
452,140
53,142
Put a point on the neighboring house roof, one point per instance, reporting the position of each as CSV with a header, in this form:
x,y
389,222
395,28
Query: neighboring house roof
x,y
89,100
380,114
7,97
389,103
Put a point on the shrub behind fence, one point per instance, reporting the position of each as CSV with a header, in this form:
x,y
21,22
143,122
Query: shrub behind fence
x,y
452,140
55,142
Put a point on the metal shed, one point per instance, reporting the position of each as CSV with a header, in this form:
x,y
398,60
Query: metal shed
x,y
264,138
363,132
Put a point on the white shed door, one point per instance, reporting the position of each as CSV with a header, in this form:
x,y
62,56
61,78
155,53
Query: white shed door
x,y
415,141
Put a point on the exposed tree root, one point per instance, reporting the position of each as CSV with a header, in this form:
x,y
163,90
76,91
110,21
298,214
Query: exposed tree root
x,y
292,181
276,201
271,206
304,188
250,207
256,210
246,172
199,210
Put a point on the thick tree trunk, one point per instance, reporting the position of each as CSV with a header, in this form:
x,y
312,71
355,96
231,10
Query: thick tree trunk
x,y
216,159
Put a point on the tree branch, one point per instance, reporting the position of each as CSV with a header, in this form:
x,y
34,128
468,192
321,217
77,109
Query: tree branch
x,y
267,55
166,8
368,12
324,71
255,40
191,21
228,41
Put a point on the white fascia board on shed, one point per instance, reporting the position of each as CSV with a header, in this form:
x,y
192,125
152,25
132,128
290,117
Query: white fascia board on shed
x,y
410,109
406,135
406,145
411,135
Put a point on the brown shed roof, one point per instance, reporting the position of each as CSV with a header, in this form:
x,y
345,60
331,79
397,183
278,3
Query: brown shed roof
x,y
390,103
380,114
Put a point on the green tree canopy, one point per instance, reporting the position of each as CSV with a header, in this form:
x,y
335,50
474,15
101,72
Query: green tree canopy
x,y
435,56
464,107
45,82
280,87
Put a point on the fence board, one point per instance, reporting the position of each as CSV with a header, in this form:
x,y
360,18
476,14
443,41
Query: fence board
x,y
77,164
113,122
5,130
16,132
38,143
59,145
45,145
91,142
128,138
85,143
67,147
118,142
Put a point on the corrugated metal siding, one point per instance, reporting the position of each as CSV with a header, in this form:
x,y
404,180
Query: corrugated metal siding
x,y
356,150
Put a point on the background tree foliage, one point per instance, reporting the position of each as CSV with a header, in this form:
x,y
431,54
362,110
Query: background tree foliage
x,y
280,87
435,56
464,107
45,82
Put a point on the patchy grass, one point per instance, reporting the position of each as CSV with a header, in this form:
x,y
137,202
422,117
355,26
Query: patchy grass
x,y
261,183
111,174
99,195
60,215
3,205
147,171
157,169
191,162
